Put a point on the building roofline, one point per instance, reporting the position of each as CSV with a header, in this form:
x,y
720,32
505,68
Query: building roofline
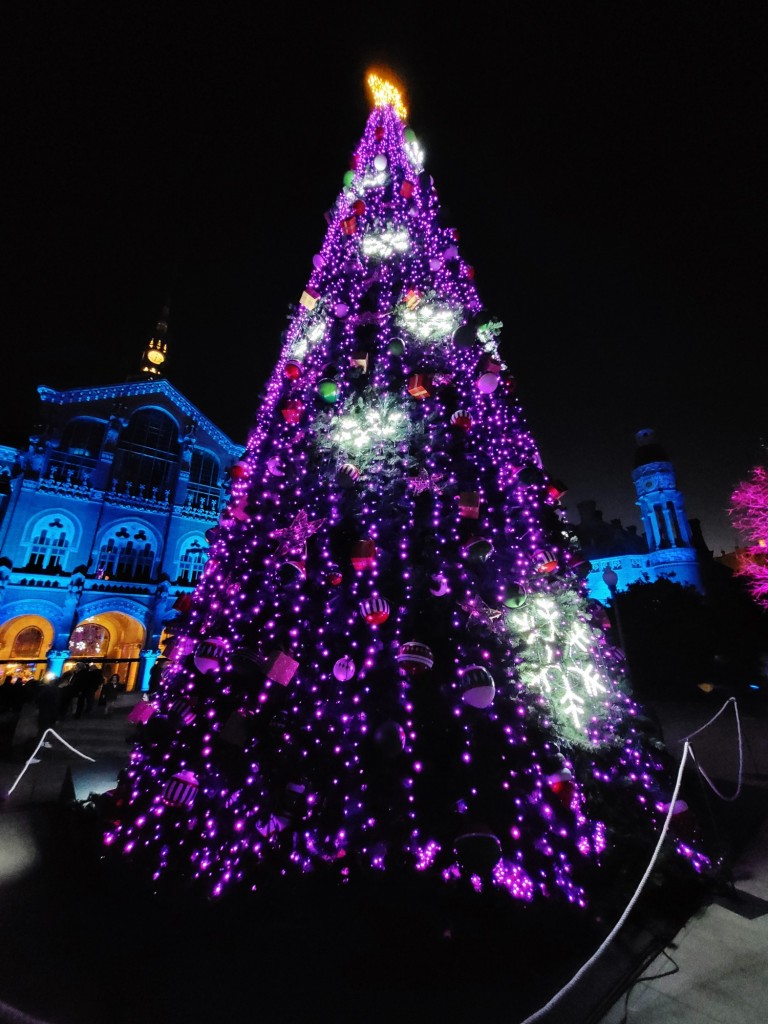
x,y
142,387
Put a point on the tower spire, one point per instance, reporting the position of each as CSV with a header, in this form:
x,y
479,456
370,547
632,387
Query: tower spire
x,y
155,353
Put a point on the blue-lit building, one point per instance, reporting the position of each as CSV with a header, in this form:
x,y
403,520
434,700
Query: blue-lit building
x,y
671,546
103,522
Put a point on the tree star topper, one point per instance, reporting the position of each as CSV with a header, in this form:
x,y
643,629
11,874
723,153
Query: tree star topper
x,y
384,93
294,537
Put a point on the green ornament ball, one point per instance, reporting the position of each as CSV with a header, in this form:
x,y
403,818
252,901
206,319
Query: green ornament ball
x,y
349,177
328,390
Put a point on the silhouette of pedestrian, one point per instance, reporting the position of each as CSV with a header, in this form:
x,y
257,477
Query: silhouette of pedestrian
x,y
47,699
87,682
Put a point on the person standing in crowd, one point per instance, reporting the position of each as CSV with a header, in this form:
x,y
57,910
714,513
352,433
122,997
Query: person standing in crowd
x,y
109,692
47,700
87,682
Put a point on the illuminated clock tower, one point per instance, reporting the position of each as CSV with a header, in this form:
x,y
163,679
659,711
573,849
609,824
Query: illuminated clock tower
x,y
667,530
154,355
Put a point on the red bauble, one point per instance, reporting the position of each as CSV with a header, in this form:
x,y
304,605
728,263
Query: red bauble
x,y
292,369
292,410
358,207
461,419
375,610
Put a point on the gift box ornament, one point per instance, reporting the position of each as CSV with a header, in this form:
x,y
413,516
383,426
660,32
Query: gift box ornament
x,y
349,225
359,360
280,667
406,189
419,385
363,554
309,297
181,790
141,712
556,490
469,504
412,298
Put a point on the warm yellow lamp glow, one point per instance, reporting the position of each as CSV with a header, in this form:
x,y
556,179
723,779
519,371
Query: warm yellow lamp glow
x,y
384,93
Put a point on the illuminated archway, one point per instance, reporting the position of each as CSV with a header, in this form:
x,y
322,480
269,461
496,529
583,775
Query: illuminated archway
x,y
24,644
113,640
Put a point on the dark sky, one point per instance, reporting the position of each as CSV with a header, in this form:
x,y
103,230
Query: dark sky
x,y
605,164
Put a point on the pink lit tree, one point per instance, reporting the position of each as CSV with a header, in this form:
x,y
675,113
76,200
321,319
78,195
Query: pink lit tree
x,y
391,663
749,514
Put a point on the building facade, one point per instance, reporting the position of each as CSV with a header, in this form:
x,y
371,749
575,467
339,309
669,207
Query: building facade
x,y
103,522
671,546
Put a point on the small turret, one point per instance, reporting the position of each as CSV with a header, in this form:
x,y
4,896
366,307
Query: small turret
x,y
154,356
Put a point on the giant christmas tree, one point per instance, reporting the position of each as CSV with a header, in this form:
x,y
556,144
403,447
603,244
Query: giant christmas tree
x,y
391,665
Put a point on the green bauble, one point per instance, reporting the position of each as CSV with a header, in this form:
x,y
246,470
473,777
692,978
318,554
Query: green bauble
x,y
328,390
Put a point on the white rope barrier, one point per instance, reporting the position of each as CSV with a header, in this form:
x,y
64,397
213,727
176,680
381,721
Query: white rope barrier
x,y
710,783
612,934
31,759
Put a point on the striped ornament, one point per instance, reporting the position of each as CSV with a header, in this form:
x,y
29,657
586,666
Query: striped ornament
x,y
478,687
547,561
181,790
210,654
182,709
414,657
461,419
374,610
348,475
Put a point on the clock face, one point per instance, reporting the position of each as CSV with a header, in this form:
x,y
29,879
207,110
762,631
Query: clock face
x,y
155,357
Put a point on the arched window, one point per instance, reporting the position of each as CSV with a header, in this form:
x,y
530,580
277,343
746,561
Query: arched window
x,y
127,553
191,563
203,492
147,456
51,538
74,460
28,643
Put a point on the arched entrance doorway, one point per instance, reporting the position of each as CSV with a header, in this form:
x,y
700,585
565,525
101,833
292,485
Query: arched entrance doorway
x,y
113,641
24,642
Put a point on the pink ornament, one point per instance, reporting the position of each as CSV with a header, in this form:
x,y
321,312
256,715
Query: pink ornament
x,y
488,382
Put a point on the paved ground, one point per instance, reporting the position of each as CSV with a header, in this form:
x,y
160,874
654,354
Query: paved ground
x,y
83,945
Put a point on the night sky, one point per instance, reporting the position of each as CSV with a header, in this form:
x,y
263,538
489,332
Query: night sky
x,y
605,165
